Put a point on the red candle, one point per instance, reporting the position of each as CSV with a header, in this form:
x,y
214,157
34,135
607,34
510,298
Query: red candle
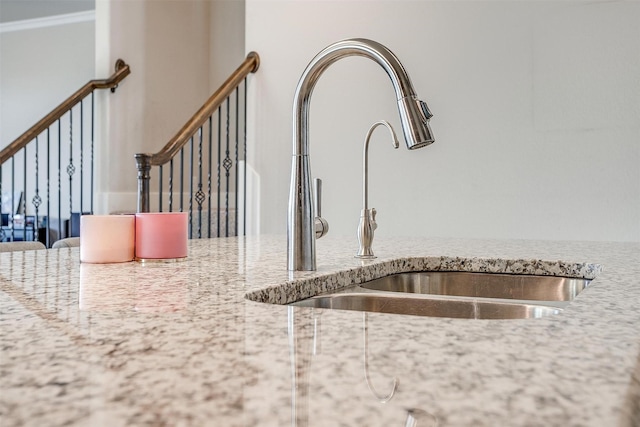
x,y
161,235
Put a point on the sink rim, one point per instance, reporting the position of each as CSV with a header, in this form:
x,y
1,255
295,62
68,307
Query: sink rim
x,y
298,287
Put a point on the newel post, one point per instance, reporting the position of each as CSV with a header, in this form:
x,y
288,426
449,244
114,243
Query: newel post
x,y
143,163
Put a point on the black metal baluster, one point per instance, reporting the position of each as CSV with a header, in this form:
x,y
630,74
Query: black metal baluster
x,y
235,233
23,203
59,180
36,198
227,165
49,187
160,188
93,109
171,185
200,194
219,157
71,169
209,177
191,188
182,179
13,193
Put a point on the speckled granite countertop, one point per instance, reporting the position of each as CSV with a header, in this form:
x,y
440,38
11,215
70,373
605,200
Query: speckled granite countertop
x,y
179,344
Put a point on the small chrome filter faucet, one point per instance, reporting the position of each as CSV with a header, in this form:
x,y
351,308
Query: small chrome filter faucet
x,y
414,118
368,224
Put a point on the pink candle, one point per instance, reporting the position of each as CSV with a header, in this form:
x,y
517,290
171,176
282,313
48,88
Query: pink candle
x,y
161,235
107,238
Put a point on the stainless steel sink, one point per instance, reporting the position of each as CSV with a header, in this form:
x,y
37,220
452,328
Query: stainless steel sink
x,y
418,305
457,295
484,285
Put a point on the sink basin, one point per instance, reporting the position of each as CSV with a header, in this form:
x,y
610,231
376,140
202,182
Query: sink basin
x,y
462,295
484,285
418,305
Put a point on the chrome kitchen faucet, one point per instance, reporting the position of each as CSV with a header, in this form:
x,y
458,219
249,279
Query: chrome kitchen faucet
x,y
303,227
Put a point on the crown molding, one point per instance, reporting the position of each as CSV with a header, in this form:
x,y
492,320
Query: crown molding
x,y
49,21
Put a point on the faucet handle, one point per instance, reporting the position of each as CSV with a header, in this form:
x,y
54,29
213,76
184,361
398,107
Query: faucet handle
x,y
321,225
317,190
374,224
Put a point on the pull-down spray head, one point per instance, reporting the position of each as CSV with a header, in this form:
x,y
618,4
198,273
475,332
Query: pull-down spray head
x,y
414,116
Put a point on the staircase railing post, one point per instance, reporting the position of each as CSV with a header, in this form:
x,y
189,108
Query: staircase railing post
x,y
143,163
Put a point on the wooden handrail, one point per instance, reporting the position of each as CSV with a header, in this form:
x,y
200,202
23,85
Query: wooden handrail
x,y
122,71
249,65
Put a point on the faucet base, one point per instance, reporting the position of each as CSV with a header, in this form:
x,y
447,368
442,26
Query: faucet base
x,y
365,256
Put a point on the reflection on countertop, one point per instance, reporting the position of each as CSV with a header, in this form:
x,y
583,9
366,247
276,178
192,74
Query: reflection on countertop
x,y
179,344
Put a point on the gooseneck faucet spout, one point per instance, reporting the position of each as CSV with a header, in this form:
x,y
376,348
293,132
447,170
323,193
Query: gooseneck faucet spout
x,y
414,118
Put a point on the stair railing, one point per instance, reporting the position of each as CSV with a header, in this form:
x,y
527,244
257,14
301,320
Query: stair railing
x,y
24,221
225,180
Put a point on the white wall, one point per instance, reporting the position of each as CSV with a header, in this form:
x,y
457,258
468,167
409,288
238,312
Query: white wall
x,y
226,41
536,116
19,10
39,68
179,52
166,45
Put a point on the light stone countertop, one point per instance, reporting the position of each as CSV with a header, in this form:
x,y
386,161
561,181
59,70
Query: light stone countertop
x,y
178,344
